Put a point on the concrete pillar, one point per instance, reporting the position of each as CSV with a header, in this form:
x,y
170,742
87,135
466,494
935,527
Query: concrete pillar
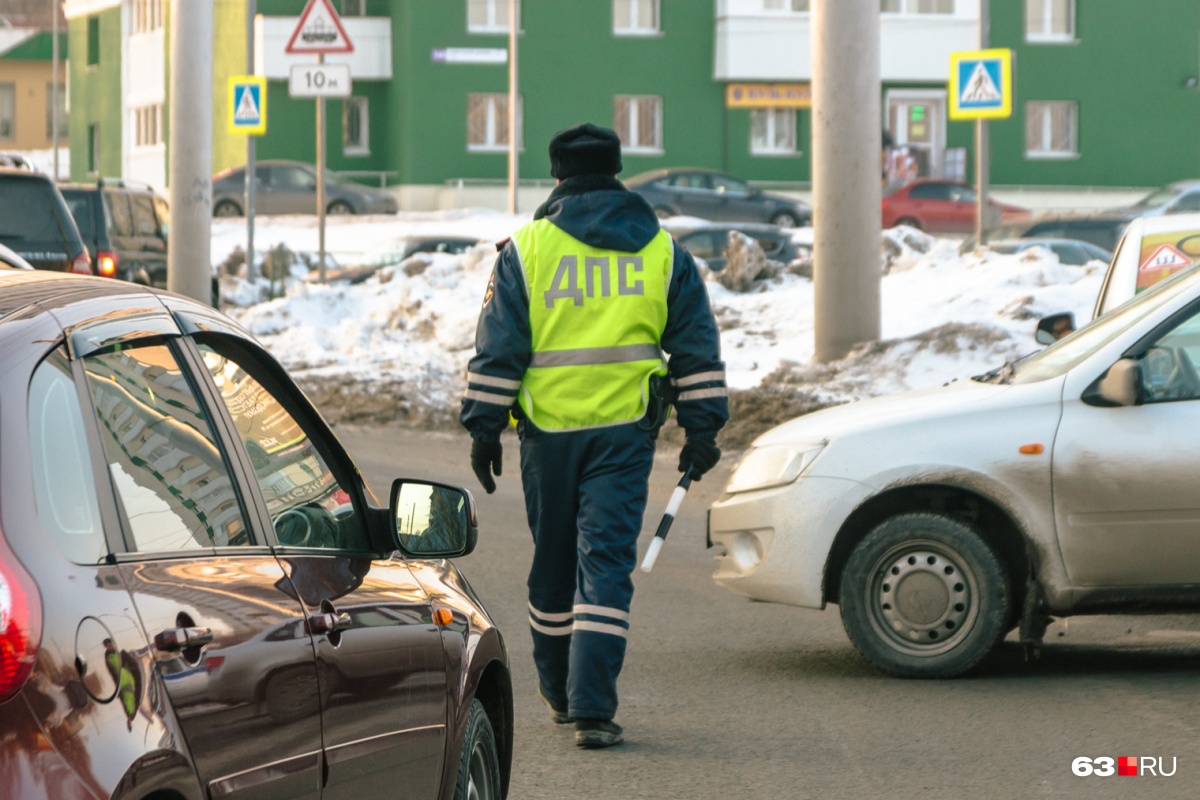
x,y
189,267
846,170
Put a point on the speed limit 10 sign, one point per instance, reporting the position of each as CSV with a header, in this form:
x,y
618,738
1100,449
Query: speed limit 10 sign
x,y
319,80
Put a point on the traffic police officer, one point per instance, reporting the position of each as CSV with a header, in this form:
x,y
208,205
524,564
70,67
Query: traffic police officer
x,y
582,304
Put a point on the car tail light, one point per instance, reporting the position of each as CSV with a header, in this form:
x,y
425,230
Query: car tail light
x,y
213,663
106,263
82,265
20,623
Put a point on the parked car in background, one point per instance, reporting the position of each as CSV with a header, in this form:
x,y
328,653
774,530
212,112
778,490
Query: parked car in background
x,y
1103,229
709,241
1181,197
941,206
941,519
714,195
1069,251
290,187
10,259
125,226
393,251
36,224
200,595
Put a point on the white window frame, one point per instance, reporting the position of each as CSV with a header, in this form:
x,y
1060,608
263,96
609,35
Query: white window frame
x,y
147,16
773,115
1044,35
628,144
787,6
1043,148
491,145
363,146
913,7
147,126
11,110
496,16
629,27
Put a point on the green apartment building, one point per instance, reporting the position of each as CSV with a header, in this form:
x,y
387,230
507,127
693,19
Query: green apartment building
x,y
1105,91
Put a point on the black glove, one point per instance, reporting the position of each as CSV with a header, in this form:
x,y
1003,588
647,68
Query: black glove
x,y
485,459
701,454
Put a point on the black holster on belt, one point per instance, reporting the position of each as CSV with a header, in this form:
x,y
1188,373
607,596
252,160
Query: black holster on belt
x,y
658,405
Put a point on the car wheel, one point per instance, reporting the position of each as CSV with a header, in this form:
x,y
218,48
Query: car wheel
x,y
339,207
923,596
227,208
662,212
786,219
910,222
478,763
291,694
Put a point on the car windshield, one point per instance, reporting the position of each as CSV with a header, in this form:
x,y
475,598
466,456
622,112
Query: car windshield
x,y
1067,353
1157,198
386,254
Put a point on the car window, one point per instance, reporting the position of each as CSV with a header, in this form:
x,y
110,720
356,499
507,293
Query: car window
x,y
310,507
27,211
64,486
690,180
728,185
119,213
80,205
699,244
960,194
144,221
290,178
770,244
1188,203
1171,366
1068,254
163,212
929,191
166,467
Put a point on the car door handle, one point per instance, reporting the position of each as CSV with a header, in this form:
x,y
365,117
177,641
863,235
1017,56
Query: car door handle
x,y
173,640
329,623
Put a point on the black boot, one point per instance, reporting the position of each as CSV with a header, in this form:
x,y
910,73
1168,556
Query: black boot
x,y
593,733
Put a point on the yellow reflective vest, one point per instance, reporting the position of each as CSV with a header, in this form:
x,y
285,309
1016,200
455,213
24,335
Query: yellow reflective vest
x,y
596,318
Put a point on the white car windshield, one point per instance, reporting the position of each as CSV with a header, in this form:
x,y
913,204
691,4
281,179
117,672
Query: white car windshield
x,y
1065,354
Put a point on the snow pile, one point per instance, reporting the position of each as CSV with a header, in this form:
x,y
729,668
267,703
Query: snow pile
x,y
410,329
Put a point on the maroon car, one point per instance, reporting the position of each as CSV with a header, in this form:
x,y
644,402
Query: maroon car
x,y
199,595
943,206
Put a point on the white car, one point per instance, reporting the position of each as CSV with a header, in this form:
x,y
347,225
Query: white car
x,y
939,520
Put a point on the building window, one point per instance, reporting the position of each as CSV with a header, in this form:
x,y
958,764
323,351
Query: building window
x,y
355,138
147,15
773,131
93,149
916,6
62,110
147,125
8,110
93,41
638,121
786,5
488,16
1049,20
487,122
635,17
354,8
1051,129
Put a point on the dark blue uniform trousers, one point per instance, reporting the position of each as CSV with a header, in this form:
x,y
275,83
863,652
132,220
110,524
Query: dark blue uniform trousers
x,y
585,493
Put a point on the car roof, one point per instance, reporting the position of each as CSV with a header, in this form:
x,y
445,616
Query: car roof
x,y
20,289
23,174
1170,223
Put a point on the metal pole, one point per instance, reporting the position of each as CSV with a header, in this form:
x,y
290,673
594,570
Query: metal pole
x,y
981,145
251,149
846,190
321,182
189,261
54,84
513,169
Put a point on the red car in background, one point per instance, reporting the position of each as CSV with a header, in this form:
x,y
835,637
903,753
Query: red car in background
x,y
940,205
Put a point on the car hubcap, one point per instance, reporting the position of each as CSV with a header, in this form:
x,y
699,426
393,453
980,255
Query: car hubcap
x,y
785,221
923,599
479,780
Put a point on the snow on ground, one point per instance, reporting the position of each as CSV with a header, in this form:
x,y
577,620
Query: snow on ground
x,y
944,316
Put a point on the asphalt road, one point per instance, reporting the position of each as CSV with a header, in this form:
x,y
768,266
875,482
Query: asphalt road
x,y
724,698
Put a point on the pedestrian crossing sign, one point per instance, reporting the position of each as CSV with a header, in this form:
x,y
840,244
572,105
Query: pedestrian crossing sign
x,y
981,84
248,104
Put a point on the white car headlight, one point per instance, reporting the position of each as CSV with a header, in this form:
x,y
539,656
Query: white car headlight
x,y
773,465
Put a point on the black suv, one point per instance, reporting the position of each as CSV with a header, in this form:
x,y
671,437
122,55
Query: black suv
x,y
125,226
35,223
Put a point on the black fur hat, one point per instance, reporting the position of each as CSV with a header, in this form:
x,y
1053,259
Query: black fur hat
x,y
585,149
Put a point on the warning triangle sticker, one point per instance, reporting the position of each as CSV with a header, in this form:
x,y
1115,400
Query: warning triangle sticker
x,y
980,87
1165,257
319,31
247,109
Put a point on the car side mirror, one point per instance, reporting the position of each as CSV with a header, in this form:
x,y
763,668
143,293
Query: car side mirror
x,y
1120,386
432,520
1054,327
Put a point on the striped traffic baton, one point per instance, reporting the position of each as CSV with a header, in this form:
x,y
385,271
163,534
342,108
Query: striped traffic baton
x,y
664,526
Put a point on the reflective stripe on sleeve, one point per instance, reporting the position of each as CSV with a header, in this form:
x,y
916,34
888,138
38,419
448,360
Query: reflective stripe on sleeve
x,y
602,611
702,394
488,397
488,380
701,377
585,356
600,627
